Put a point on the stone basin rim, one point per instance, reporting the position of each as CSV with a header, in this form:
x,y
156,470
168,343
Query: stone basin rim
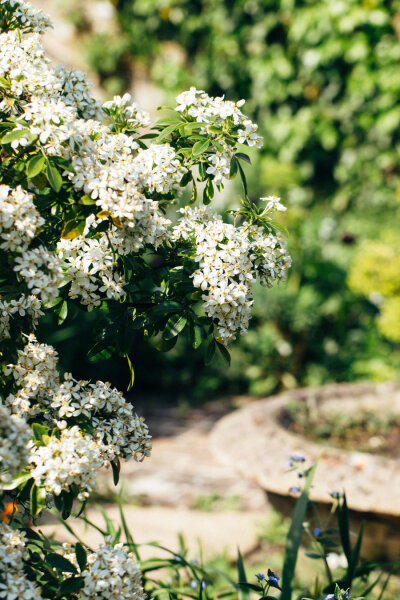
x,y
253,439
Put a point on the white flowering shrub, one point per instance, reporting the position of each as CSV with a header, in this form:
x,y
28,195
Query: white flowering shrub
x,y
86,224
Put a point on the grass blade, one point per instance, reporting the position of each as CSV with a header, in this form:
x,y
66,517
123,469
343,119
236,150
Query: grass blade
x,y
243,593
293,539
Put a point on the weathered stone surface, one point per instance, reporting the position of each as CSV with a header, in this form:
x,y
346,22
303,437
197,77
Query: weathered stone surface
x,y
215,532
253,440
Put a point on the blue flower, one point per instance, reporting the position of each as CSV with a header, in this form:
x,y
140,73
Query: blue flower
x,y
260,576
330,597
317,532
273,579
193,584
336,495
294,490
203,585
297,458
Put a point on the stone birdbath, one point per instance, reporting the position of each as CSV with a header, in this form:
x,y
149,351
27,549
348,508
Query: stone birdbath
x,y
257,441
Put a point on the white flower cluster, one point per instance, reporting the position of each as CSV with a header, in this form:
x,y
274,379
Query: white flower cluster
x,y
217,112
69,460
15,434
107,169
24,64
60,115
112,574
14,584
229,260
89,266
41,271
125,113
158,169
117,430
19,222
17,14
98,407
19,219
23,306
76,92
35,373
225,270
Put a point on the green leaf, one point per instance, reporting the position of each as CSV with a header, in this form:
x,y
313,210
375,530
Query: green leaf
x,y
53,177
16,481
15,134
67,500
165,345
72,229
243,156
294,537
249,586
241,572
355,557
38,431
4,83
167,131
208,193
187,178
38,497
35,166
197,337
81,556
63,312
224,353
214,129
344,528
193,197
233,168
71,585
209,353
95,354
63,565
132,373
200,147
174,326
243,177
86,200
116,469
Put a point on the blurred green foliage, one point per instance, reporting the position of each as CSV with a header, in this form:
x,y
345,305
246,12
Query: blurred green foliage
x,y
322,80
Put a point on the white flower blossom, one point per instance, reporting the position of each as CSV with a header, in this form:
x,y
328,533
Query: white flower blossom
x,y
229,260
24,64
112,574
36,374
14,584
69,460
15,434
19,219
19,14
89,266
76,92
23,306
116,428
274,203
41,271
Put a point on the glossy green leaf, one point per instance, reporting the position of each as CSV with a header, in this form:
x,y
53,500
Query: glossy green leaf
x,y
200,147
35,166
53,177
174,326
